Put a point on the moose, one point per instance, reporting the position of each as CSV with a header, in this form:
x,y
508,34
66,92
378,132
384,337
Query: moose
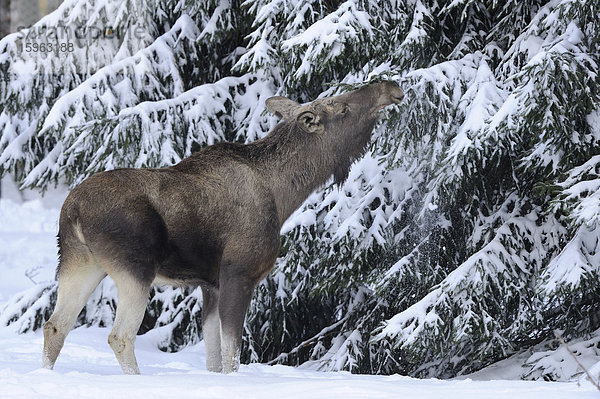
x,y
213,220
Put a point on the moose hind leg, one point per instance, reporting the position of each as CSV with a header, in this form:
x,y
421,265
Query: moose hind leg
x,y
131,305
211,329
75,284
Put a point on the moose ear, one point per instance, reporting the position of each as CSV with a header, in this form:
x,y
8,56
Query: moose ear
x,y
310,122
282,107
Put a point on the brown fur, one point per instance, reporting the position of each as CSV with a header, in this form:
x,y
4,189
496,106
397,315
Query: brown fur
x,y
211,220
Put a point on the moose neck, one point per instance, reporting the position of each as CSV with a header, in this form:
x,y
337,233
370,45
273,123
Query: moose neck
x,y
296,163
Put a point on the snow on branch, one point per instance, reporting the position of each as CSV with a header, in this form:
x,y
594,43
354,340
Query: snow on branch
x,y
565,362
578,260
581,188
93,35
121,84
410,52
28,310
327,38
480,102
459,305
106,110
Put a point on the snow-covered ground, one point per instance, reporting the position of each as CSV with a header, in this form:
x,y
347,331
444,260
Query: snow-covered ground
x,y
87,368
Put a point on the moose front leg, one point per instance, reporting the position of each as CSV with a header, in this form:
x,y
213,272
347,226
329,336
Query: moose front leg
x,y
211,328
234,298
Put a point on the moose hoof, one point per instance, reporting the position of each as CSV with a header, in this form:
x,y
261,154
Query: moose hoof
x,y
215,368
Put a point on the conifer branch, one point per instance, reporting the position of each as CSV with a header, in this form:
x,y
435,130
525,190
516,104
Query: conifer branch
x,y
323,333
585,370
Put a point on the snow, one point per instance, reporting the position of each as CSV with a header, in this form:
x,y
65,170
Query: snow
x,y
16,236
328,36
480,102
87,367
577,259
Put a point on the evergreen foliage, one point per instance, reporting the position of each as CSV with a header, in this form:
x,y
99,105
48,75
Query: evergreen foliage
x,y
467,233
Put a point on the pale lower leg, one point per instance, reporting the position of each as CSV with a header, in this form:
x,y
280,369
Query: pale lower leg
x,y
234,299
211,329
74,287
132,299
230,350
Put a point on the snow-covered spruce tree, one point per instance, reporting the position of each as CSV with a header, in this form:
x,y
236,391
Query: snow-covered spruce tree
x,y
466,233
517,134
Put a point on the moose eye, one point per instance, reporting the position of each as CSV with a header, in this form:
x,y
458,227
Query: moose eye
x,y
345,109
